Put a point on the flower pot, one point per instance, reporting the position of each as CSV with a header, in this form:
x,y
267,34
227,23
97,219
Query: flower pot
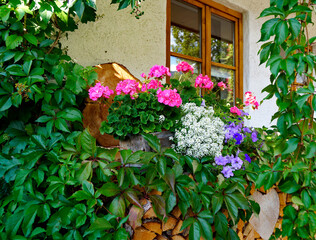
x,y
137,142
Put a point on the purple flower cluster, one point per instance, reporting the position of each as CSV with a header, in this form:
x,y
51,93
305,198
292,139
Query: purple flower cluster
x,y
235,164
238,132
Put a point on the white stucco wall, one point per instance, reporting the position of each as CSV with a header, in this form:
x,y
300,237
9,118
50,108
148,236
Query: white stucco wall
x,y
117,36
140,44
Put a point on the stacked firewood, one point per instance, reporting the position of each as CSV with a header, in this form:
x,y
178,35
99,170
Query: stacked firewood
x,y
150,227
246,231
154,229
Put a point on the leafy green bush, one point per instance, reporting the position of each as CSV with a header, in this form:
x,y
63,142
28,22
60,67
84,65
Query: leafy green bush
x,y
290,148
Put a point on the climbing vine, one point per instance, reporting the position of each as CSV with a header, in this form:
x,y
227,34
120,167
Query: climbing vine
x,y
290,149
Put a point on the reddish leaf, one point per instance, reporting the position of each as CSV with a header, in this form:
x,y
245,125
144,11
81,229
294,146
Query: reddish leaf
x,y
135,216
131,196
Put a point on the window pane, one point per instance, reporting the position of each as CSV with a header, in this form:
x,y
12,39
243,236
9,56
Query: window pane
x,y
191,77
185,29
222,41
226,76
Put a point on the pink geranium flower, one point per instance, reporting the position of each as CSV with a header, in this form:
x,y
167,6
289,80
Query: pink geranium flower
x,y
203,82
250,99
128,86
221,85
153,84
169,97
184,67
99,91
159,72
235,110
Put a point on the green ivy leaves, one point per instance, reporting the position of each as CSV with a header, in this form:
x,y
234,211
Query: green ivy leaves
x,y
291,154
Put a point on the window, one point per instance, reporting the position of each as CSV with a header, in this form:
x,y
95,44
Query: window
x,y
208,36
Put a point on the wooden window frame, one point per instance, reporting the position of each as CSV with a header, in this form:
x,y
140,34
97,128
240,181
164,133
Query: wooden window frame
x,y
207,8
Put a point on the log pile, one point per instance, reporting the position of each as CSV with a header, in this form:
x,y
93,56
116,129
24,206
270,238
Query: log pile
x,y
154,229
246,231
150,227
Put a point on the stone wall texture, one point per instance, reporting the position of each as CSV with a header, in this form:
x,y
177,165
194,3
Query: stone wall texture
x,y
139,44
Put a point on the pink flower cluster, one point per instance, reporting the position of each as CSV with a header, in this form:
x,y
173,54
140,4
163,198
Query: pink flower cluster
x,y
169,97
127,86
221,85
203,82
99,91
250,99
184,67
235,110
153,84
158,72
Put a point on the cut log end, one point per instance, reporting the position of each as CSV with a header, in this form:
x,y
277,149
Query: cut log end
x,y
153,227
142,233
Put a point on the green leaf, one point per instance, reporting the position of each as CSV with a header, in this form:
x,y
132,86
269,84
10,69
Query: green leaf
x,y
88,142
88,187
61,124
162,165
195,231
71,114
217,201
100,224
15,69
109,189
221,224
153,142
84,172
5,103
79,8
108,154
27,67
306,199
296,200
4,12
289,186
44,118
121,234
39,141
295,27
281,32
311,150
206,229
31,38
13,41
267,29
233,235
187,222
80,220
301,100
14,221
169,152
46,12
29,217
171,202
271,11
291,146
37,231
117,207
231,207
81,195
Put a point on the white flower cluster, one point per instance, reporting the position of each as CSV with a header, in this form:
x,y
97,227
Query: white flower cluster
x,y
162,118
201,133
